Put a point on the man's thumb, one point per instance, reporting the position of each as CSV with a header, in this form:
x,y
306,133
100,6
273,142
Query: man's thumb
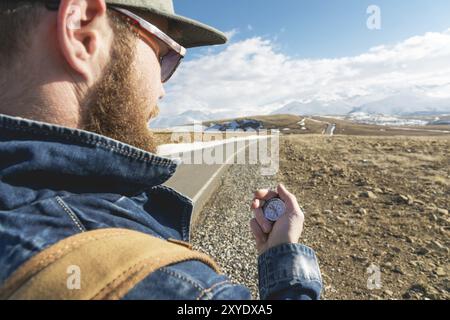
x,y
283,193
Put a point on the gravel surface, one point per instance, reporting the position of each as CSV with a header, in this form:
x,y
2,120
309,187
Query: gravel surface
x,y
370,202
374,203
224,231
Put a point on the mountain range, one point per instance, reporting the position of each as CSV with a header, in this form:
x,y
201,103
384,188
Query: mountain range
x,y
406,105
401,104
315,108
184,118
398,105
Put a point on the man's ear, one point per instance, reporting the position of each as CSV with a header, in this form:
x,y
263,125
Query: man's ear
x,y
82,31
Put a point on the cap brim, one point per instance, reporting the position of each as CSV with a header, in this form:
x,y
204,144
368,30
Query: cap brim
x,y
187,32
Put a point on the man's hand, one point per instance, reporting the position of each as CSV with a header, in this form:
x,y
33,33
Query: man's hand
x,y
287,229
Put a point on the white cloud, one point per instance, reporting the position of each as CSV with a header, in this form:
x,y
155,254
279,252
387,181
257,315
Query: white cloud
x,y
252,77
230,34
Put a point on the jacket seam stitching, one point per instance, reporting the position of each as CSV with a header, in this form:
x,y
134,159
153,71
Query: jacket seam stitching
x,y
181,277
90,141
205,291
71,214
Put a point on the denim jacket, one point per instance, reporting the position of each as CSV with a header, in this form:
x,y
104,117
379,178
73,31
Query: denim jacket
x,y
56,182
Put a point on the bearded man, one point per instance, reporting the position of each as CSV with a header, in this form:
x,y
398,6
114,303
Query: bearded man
x,y
79,178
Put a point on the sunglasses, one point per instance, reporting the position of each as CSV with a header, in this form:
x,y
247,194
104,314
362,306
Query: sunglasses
x,y
170,61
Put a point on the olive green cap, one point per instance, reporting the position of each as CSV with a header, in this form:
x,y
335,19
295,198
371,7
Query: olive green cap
x,y
187,32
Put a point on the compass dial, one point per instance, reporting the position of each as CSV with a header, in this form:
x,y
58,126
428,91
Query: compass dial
x,y
273,209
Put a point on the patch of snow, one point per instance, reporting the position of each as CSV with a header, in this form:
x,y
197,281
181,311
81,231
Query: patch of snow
x,y
384,120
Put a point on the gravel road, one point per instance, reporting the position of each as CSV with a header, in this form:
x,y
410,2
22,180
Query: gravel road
x,y
224,231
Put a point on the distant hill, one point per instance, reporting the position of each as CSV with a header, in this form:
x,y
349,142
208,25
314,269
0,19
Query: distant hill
x,y
184,118
187,118
403,104
400,104
406,104
315,108
268,122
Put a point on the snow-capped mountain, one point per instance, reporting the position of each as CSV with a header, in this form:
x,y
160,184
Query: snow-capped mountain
x,y
189,117
184,118
315,108
406,104
384,120
397,108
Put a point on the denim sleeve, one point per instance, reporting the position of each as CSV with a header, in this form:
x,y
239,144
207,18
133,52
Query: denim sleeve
x,y
229,291
289,272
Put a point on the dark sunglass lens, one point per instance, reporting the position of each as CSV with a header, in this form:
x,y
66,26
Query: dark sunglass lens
x,y
169,64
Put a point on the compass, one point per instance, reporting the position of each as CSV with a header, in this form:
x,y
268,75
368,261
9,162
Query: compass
x,y
273,209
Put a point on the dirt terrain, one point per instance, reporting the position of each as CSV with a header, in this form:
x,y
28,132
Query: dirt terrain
x,y
374,197
293,124
372,200
368,201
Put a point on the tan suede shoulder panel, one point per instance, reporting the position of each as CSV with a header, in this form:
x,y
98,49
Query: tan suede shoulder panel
x,y
110,263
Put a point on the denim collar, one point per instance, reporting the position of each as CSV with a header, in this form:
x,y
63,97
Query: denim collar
x,y
49,156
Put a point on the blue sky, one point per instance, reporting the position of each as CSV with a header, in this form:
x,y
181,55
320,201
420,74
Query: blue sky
x,y
320,28
317,51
